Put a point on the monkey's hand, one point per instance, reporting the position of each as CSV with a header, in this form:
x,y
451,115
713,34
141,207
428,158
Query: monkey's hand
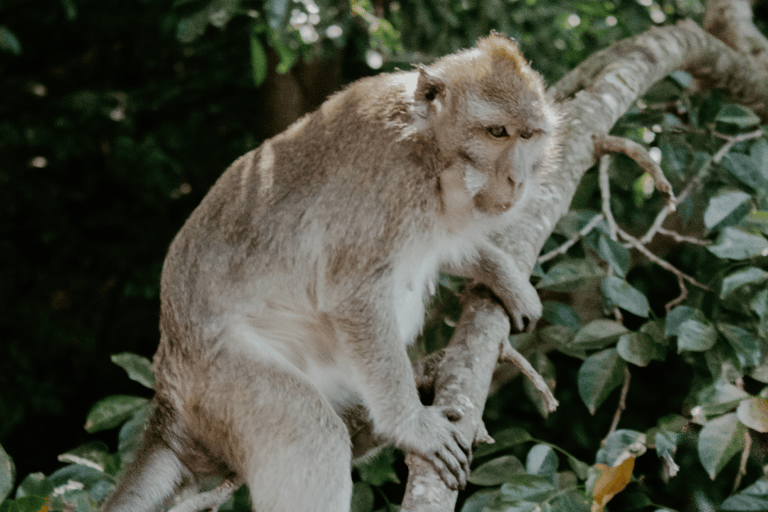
x,y
521,302
432,435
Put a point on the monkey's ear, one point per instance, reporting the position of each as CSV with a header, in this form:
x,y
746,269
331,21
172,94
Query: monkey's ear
x,y
429,86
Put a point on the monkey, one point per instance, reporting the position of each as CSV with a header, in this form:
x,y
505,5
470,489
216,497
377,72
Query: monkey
x,y
292,291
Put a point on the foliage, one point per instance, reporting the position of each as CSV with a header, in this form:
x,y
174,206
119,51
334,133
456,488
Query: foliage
x,y
111,158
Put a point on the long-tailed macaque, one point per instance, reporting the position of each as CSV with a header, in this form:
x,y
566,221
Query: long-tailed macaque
x,y
292,290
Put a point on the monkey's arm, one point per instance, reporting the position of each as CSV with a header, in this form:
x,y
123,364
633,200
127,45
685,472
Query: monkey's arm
x,y
498,271
387,384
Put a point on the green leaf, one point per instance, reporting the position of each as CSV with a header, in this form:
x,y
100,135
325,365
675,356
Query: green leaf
x,y
580,468
696,336
569,501
557,313
719,440
565,276
480,500
137,367
726,208
655,329
29,504
94,454
745,169
362,498
496,471
112,411
504,439
561,338
35,484
737,115
747,276
525,487
666,443
677,316
752,499
720,397
753,413
616,444
615,254
131,433
746,345
598,334
620,293
9,42
600,374
541,460
639,348
258,60
379,469
7,474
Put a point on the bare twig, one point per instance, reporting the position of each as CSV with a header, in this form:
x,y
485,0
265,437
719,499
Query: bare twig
x,y
605,195
622,404
683,295
578,236
743,463
605,144
677,237
635,243
508,354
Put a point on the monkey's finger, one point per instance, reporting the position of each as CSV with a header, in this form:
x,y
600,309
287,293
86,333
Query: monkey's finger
x,y
466,446
454,465
448,476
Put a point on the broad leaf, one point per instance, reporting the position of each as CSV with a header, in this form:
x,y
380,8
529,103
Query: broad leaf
x,y
738,115
557,313
620,293
696,336
362,498
745,169
138,368
640,349
7,474
565,276
258,59
726,208
497,471
615,254
746,345
541,460
616,444
112,411
677,316
719,440
753,412
752,499
504,439
35,484
738,245
598,334
600,374
525,487
748,276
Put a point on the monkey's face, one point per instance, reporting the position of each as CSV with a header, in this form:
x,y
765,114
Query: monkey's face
x,y
492,120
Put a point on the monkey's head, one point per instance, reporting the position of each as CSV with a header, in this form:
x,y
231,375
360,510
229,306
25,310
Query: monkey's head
x,y
490,120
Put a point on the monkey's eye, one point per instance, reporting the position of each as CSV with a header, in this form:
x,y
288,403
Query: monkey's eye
x,y
498,131
526,134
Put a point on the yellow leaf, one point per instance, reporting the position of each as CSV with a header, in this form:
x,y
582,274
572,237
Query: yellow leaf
x,y
611,482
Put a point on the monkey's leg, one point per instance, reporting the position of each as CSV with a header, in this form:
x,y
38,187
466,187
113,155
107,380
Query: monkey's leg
x,y
151,480
286,441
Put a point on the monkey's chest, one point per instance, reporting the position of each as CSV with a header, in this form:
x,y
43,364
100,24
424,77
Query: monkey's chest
x,y
415,275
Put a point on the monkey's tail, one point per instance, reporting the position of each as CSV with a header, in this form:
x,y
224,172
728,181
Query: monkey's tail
x,y
151,480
